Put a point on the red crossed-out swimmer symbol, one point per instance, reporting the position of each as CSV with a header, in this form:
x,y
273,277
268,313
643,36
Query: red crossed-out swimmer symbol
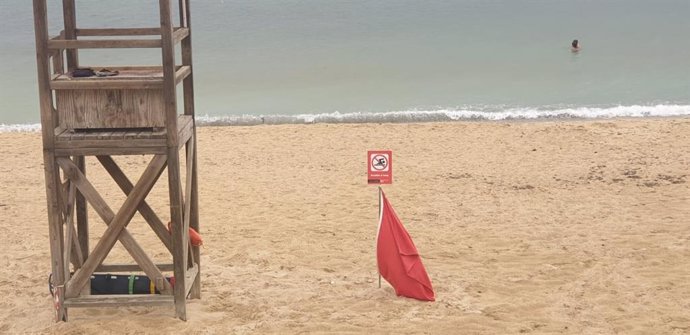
x,y
379,162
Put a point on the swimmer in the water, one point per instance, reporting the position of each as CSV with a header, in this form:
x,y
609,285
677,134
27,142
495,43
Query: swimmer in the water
x,y
575,46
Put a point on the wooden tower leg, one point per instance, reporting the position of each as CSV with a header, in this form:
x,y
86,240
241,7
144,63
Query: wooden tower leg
x,y
179,234
188,91
53,186
56,233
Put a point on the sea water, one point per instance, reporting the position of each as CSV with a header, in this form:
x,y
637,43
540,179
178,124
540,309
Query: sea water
x,y
294,61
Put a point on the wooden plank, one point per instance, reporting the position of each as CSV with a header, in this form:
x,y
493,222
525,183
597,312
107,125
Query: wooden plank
x,y
189,278
119,136
76,136
109,143
190,152
105,135
180,236
169,69
136,147
91,136
145,137
48,125
188,94
160,132
94,151
105,44
55,229
77,258
58,63
108,268
131,134
144,209
188,86
194,222
107,84
180,34
119,32
183,14
62,199
182,73
120,300
188,185
86,109
70,21
190,255
72,251
69,235
186,129
116,224
59,131
82,213
123,68
190,149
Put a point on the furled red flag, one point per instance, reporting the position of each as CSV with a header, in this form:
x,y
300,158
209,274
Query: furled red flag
x,y
398,260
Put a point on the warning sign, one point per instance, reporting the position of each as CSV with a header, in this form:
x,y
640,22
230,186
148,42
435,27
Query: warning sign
x,y
380,169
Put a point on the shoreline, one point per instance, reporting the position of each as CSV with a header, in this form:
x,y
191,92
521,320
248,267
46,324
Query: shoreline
x,y
36,127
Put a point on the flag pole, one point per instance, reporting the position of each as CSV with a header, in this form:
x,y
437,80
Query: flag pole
x,y
380,209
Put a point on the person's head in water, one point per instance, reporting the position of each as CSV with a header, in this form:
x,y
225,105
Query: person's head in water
x,y
575,44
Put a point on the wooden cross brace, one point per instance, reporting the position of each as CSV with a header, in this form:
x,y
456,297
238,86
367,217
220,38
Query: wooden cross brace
x,y
72,251
144,209
116,225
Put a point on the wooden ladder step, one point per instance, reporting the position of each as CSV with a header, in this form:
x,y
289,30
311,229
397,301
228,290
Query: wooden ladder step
x,y
120,300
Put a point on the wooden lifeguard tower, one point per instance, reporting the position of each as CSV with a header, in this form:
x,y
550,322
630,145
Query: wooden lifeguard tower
x,y
132,113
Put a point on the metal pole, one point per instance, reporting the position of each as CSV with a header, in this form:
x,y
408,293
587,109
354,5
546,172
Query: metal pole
x,y
377,233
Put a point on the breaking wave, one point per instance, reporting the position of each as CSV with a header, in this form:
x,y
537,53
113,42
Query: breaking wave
x,y
469,114
440,115
15,128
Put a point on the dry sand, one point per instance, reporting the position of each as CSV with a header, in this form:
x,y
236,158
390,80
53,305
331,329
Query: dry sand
x,y
579,227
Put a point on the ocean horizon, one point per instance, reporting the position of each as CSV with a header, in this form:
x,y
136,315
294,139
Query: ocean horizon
x,y
305,61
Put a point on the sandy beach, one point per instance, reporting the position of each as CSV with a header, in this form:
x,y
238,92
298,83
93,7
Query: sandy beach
x,y
575,227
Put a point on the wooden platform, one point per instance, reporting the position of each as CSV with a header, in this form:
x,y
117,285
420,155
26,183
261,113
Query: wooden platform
x,y
129,77
119,142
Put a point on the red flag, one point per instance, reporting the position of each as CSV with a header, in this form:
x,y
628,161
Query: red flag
x,y
398,260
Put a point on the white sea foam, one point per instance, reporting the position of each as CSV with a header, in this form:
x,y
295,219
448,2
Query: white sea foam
x,y
478,114
440,115
14,128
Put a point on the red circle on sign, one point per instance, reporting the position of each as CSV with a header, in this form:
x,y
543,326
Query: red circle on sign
x,y
379,162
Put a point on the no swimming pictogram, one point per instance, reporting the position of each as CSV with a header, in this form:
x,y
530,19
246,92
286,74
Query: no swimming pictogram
x,y
380,167
380,162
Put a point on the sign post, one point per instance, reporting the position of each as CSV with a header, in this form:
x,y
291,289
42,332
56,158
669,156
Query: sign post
x,y
380,171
